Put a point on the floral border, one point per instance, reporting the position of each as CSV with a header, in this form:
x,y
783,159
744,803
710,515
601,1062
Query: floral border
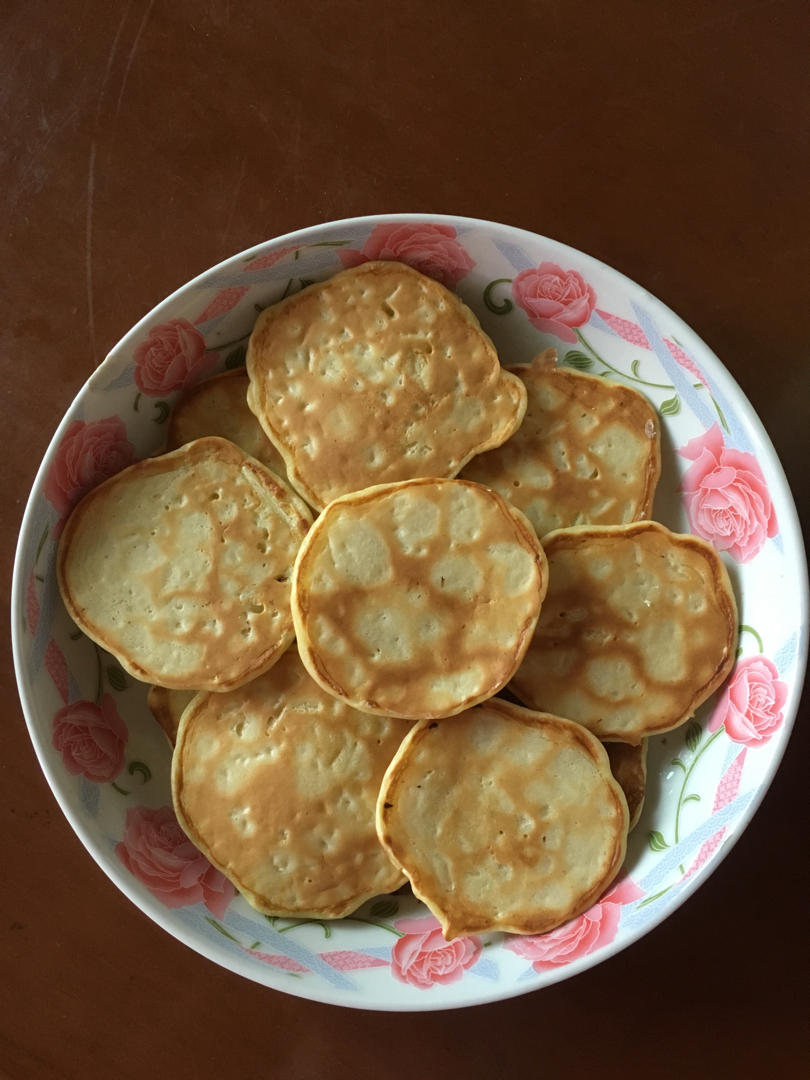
x,y
726,499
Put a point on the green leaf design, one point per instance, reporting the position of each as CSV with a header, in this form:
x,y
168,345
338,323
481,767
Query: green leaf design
x,y
655,896
327,932
236,358
41,543
746,629
723,420
692,798
75,635
383,909
671,406
305,282
677,761
116,678
142,769
258,308
506,305
220,928
162,408
693,734
656,841
136,403
635,366
575,358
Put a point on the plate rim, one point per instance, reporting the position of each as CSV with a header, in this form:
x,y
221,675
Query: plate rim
x,y
149,906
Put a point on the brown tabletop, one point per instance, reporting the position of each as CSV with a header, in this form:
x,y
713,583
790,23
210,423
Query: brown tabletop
x,y
144,142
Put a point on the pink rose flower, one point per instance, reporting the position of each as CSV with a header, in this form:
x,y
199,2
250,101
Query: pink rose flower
x,y
159,854
554,299
91,739
423,958
431,249
726,496
171,355
591,930
751,707
88,454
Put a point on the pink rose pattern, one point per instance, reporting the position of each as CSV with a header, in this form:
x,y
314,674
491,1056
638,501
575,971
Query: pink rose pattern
x,y
579,937
555,300
727,790
224,301
88,453
56,666
633,333
431,249
170,356
159,854
91,739
423,958
726,496
262,262
751,707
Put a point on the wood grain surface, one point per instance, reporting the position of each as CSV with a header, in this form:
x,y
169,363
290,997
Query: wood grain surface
x,y
145,140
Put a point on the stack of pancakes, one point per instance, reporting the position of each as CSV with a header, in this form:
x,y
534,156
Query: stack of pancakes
x,y
346,553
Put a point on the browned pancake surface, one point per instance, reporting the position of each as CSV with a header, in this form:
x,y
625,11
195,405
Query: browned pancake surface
x,y
277,782
503,819
638,628
587,452
180,566
378,374
417,599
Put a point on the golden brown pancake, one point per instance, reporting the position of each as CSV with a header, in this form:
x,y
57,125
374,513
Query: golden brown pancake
x,y
503,819
180,566
276,784
417,599
167,707
219,406
587,452
629,767
638,628
377,375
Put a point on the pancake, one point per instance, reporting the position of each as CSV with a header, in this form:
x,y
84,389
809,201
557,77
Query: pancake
x,y
588,451
167,707
503,819
638,628
276,784
180,566
377,375
629,767
219,406
417,599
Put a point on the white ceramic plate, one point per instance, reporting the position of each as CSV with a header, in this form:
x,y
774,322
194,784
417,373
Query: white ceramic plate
x,y
108,763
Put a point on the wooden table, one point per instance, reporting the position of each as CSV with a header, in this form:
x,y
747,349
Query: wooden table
x,y
143,142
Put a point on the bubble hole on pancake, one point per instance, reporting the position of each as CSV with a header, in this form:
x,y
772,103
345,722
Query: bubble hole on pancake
x,y
419,598
503,819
